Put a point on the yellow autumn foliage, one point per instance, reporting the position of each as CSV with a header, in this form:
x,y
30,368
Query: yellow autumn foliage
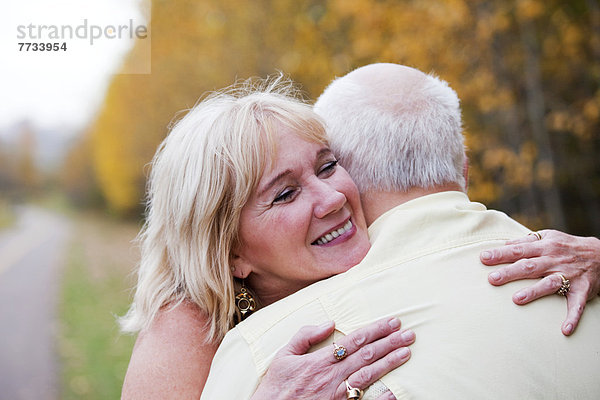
x,y
526,72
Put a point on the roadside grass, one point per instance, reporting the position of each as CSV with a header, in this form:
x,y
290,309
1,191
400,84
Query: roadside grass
x,y
95,290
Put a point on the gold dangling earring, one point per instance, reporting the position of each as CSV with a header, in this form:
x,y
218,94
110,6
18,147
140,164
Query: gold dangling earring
x,y
245,302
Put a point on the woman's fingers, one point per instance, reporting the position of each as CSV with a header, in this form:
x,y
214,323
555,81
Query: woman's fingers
x,y
372,352
531,237
372,361
576,258
576,301
511,253
307,337
543,287
522,269
366,335
371,373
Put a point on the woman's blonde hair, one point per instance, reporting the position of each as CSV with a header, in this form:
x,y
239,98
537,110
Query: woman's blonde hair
x,y
202,175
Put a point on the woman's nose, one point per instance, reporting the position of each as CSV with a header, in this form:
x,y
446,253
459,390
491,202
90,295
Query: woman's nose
x,y
328,199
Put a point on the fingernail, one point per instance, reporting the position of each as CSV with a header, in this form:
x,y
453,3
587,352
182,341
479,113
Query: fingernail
x,y
486,255
326,325
520,296
394,323
569,328
408,335
495,276
403,352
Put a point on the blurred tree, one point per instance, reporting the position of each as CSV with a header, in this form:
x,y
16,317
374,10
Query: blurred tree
x,y
27,172
7,174
77,176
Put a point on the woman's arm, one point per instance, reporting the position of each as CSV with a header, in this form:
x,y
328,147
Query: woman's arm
x,y
576,258
170,360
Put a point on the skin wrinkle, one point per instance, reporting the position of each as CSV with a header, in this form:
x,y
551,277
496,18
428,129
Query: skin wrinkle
x,y
518,251
359,340
366,353
528,267
365,375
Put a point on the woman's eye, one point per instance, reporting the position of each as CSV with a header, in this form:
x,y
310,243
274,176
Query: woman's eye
x,y
284,196
328,167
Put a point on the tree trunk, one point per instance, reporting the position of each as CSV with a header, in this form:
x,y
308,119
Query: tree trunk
x,y
534,98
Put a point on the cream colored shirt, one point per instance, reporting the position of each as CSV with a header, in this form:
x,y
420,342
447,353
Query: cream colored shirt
x,y
423,267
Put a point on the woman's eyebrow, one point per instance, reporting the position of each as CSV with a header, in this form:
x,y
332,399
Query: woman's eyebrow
x,y
273,181
320,153
325,151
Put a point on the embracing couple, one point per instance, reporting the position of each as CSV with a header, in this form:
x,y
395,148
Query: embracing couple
x,y
322,228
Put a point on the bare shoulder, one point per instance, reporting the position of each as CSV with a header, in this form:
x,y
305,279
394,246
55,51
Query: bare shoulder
x,y
170,360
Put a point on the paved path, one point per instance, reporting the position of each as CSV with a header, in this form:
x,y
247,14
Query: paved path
x,y
31,255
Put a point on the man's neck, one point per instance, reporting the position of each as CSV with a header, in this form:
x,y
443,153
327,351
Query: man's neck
x,y
376,203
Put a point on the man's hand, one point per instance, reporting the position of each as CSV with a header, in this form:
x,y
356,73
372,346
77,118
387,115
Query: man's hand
x,y
576,258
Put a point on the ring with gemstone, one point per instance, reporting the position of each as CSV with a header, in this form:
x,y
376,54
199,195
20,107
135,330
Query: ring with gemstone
x,y
339,352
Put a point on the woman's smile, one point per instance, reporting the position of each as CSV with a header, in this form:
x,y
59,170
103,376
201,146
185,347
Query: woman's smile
x,y
336,235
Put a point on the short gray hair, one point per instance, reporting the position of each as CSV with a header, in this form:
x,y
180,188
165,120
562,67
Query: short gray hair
x,y
394,128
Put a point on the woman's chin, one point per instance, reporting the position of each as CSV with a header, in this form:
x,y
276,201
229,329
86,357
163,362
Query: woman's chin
x,y
351,257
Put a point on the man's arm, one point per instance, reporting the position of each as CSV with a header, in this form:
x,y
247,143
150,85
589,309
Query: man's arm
x,y
576,258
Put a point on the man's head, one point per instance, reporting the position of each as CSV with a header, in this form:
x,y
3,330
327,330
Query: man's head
x,y
395,128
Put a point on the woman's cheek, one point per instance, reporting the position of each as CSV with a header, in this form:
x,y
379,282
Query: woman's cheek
x,y
294,218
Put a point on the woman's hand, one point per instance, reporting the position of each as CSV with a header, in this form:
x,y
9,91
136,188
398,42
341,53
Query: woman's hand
x,y
372,352
576,258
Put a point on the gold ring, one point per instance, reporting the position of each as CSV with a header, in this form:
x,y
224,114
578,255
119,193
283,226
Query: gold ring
x,y
536,234
339,352
353,393
564,288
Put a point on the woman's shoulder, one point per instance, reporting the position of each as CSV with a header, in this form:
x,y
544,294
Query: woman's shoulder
x,y
171,359
180,319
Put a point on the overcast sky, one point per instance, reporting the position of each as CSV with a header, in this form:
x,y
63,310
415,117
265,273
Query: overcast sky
x,y
60,89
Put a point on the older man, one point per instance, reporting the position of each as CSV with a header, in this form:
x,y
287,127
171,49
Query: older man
x,y
398,132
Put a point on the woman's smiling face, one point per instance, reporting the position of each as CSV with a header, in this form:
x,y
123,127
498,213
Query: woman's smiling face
x,y
303,223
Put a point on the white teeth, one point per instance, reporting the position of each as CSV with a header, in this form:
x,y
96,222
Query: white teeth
x,y
333,234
